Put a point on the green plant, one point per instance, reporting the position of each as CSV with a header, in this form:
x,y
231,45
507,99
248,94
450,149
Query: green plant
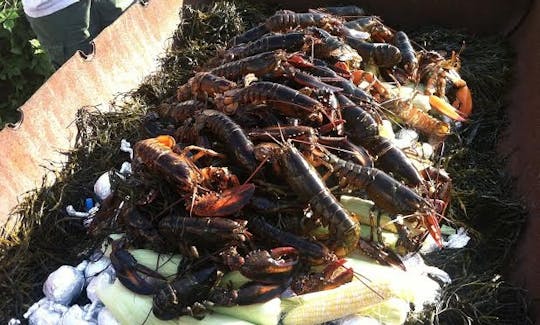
x,y
24,65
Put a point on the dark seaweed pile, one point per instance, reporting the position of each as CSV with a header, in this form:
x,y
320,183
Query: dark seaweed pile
x,y
482,197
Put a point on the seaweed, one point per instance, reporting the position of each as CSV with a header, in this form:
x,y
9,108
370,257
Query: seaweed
x,y
484,197
45,236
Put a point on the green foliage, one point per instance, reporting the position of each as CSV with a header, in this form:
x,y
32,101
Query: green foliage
x,y
24,65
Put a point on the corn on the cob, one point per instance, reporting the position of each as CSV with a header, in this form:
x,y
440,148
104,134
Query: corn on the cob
x,y
323,306
410,286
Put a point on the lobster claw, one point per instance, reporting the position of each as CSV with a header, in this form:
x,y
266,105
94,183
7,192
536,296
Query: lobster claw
x,y
225,203
333,276
298,61
254,292
134,276
270,267
443,107
463,101
249,293
381,254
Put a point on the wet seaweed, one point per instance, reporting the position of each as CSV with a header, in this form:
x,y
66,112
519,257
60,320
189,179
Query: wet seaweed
x,y
484,197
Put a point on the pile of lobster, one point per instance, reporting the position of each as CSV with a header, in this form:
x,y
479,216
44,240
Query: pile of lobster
x,y
261,142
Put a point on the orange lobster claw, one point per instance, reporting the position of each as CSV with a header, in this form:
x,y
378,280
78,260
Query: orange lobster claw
x,y
463,101
343,69
298,61
337,274
225,203
357,76
443,107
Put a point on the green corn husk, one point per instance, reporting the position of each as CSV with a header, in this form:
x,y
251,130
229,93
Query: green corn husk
x,y
389,312
389,239
363,208
130,308
234,279
165,264
267,313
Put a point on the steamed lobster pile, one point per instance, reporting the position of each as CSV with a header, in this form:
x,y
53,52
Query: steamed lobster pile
x,y
261,142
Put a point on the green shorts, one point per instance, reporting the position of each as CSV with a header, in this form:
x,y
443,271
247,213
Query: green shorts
x,y
73,28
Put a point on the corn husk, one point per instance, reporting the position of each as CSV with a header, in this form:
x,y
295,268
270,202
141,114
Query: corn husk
x,y
234,280
267,313
389,239
392,311
362,208
130,308
165,264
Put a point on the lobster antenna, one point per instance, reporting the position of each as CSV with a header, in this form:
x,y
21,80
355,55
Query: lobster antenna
x,y
312,50
391,75
158,265
363,278
281,133
274,138
261,164
192,201
323,146
389,114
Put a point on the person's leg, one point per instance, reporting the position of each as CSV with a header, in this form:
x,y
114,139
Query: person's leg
x,y
105,12
64,32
